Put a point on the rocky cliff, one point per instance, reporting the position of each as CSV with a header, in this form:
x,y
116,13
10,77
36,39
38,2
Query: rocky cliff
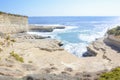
x,y
106,48
111,39
28,57
11,23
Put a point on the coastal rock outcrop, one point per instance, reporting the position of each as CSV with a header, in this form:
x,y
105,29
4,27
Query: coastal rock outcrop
x,y
110,42
49,45
38,28
106,49
95,47
13,23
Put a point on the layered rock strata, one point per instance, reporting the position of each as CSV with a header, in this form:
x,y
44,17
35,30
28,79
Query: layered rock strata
x,y
12,23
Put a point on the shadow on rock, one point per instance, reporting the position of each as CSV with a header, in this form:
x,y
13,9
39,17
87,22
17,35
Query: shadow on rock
x,y
113,45
64,76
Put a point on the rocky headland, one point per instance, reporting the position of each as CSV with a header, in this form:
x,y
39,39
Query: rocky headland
x,y
30,57
47,28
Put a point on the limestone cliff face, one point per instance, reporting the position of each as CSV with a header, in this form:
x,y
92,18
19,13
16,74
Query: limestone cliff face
x,y
107,49
100,46
113,41
11,23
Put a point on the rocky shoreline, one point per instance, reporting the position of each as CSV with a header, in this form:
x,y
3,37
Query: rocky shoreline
x,y
31,57
45,59
42,28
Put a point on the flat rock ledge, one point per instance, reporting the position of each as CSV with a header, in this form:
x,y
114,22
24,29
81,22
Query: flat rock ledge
x,y
106,49
44,59
40,28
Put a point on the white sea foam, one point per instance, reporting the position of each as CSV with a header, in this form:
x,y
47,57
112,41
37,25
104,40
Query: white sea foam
x,y
86,36
47,24
89,37
76,48
55,32
67,28
45,34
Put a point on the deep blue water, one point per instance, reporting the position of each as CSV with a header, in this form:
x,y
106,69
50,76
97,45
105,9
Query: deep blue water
x,y
79,31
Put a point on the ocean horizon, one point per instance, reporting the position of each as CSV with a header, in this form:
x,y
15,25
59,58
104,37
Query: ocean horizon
x,y
79,30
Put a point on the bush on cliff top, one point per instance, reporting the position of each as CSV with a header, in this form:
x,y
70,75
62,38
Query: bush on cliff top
x,y
12,14
114,31
1,12
112,75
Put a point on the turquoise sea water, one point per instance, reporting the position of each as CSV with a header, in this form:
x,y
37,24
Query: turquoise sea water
x,y
79,31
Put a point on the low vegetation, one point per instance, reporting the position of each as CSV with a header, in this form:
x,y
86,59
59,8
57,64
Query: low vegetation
x,y
16,56
9,41
112,75
6,42
11,14
1,12
29,61
1,49
114,31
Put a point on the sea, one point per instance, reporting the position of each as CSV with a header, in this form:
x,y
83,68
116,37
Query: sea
x,y
79,31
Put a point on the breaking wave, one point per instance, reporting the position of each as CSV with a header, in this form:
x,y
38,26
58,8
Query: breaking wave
x,y
79,31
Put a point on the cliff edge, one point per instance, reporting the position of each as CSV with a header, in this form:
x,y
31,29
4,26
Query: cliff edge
x,y
107,48
13,23
31,57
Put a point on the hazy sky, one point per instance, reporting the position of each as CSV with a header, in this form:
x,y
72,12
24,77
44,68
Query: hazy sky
x,y
62,7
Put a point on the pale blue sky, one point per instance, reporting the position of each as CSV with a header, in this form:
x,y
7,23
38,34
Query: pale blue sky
x,y
62,7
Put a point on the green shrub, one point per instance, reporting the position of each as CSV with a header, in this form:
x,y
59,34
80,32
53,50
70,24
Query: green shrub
x,y
112,75
13,40
29,61
9,41
12,14
114,31
1,49
117,33
1,43
1,12
16,56
7,37
118,28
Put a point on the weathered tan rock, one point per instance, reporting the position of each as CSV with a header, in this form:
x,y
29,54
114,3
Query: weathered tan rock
x,y
10,72
112,40
11,23
106,52
46,56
